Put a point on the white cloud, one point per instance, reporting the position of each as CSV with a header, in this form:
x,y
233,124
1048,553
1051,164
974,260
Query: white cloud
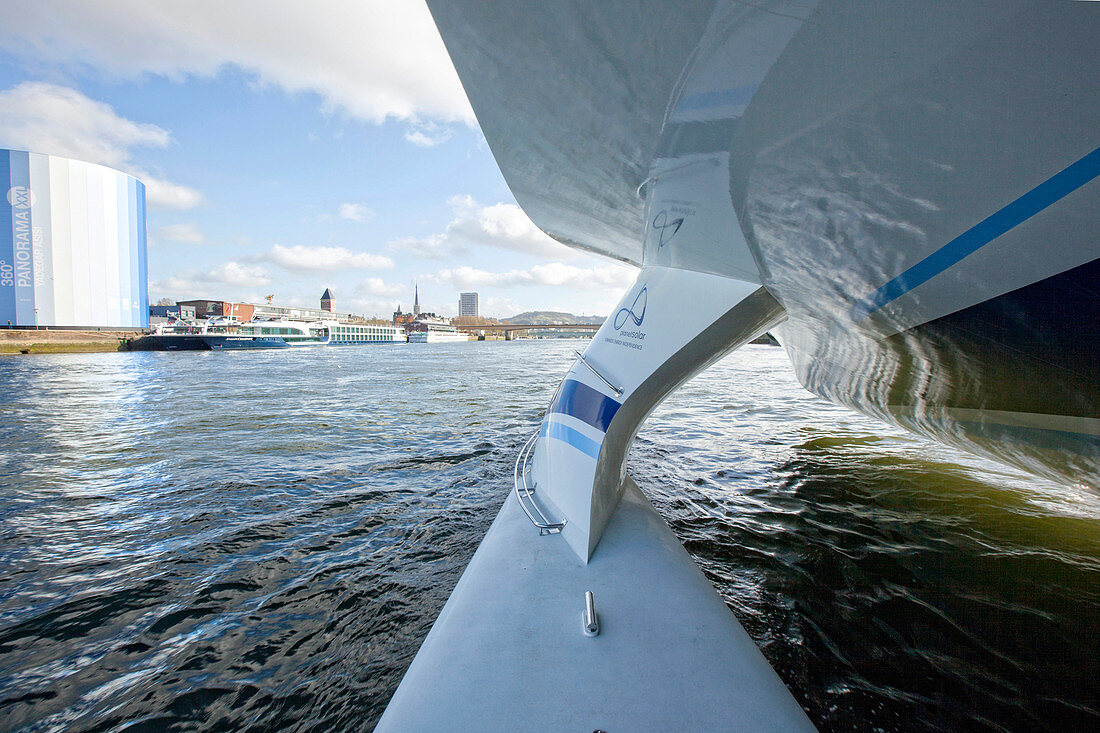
x,y
373,59
181,233
375,297
356,212
300,257
418,138
371,307
503,226
378,287
428,134
432,247
212,283
555,274
46,118
499,307
168,195
52,119
176,287
234,273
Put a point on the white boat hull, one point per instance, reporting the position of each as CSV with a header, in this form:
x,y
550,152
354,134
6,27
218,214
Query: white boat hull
x,y
509,652
906,194
915,184
436,337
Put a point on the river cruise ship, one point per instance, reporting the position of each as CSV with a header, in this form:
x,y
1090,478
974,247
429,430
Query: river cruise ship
x,y
351,334
181,335
434,332
278,334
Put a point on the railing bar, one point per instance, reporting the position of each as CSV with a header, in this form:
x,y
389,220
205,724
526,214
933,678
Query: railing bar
x,y
523,477
617,390
520,477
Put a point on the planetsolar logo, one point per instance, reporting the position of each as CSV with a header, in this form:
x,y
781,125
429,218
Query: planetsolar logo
x,y
636,311
666,227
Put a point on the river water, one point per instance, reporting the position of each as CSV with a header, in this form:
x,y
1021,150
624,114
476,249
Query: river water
x,y
260,540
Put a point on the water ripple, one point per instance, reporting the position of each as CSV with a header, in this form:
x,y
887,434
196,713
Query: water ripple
x,y
260,541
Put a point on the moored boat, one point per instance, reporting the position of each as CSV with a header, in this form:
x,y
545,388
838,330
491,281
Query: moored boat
x,y
285,333
183,335
434,332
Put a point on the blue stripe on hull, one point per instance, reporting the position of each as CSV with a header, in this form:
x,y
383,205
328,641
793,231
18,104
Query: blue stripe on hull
x,y
1031,352
1031,203
573,437
588,405
234,343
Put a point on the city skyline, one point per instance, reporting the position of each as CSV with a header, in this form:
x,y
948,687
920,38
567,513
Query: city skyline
x,y
343,154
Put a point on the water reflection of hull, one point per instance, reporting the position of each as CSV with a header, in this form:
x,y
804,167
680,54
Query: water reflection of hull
x,y
1016,377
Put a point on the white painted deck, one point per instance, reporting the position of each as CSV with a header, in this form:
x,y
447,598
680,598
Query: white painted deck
x,y
508,651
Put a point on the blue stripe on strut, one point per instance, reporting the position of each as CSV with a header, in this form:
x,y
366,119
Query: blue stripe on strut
x,y
573,437
588,405
1031,203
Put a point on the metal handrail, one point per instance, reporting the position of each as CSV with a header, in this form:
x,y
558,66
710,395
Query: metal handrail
x,y
617,390
523,491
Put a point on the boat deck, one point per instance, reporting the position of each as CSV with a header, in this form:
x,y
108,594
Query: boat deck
x,y
508,651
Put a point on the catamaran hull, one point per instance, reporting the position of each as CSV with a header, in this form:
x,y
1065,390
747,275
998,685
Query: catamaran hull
x,y
904,193
915,184
1016,378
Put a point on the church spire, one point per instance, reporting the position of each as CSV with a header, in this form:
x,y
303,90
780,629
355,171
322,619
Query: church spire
x,y
416,300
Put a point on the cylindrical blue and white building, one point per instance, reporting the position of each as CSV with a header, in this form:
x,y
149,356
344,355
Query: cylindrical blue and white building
x,y
72,244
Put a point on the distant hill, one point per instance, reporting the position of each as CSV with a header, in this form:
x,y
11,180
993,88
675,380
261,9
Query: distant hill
x,y
548,317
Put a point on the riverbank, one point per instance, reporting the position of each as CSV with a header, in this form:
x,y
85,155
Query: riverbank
x,y
64,342
18,341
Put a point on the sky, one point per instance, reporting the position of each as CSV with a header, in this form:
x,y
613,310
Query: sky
x,y
289,147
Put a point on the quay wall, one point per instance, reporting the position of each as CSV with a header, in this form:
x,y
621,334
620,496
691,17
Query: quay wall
x,y
31,341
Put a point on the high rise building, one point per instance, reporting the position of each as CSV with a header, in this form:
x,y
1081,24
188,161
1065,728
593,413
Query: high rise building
x,y
467,304
72,244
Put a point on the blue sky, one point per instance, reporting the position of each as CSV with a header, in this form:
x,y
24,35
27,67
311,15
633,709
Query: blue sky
x,y
289,147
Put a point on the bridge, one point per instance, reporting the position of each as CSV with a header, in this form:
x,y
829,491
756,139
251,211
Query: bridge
x,y
509,329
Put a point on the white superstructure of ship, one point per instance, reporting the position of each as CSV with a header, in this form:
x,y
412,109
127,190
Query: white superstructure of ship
x,y
277,333
434,331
